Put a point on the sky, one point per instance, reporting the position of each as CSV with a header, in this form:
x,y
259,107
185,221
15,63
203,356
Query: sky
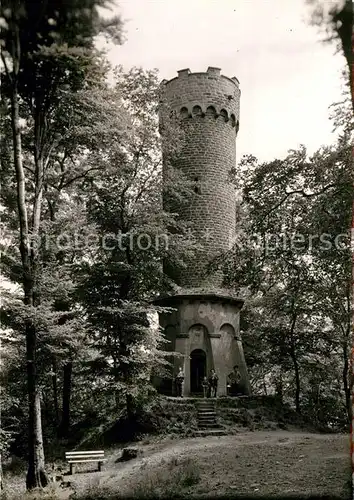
x,y
288,77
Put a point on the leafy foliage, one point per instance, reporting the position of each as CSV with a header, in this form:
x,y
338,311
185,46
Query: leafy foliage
x,y
134,235
292,260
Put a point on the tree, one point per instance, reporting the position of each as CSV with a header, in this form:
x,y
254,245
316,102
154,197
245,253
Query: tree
x,y
46,48
338,23
85,122
134,236
293,256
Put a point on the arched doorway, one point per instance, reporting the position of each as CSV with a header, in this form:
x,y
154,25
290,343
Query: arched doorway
x,y
198,369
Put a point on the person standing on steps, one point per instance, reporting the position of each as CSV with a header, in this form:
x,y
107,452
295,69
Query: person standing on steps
x,y
213,382
179,382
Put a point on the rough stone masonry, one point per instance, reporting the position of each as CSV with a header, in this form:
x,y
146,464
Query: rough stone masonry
x,y
204,326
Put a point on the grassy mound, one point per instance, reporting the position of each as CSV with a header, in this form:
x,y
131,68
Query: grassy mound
x,y
179,416
258,413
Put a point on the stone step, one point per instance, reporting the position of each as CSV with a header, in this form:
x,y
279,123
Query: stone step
x,y
207,418
206,412
211,432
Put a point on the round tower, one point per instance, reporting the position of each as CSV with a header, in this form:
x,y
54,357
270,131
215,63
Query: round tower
x,y
208,105
204,325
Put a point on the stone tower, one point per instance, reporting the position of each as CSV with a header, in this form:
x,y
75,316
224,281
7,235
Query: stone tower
x,y
204,327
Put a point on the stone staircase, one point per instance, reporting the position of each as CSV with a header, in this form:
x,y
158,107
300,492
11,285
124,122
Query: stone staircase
x,y
207,422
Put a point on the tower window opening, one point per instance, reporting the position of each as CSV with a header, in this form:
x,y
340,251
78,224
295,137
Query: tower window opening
x,y
184,112
211,111
197,186
197,111
224,114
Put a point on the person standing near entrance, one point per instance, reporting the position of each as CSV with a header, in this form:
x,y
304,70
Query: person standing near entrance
x,y
213,382
205,385
179,382
234,379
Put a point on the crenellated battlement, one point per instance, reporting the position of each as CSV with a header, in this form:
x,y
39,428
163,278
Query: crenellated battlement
x,y
211,72
204,95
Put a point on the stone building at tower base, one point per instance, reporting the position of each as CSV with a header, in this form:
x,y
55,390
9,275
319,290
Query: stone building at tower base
x,y
204,329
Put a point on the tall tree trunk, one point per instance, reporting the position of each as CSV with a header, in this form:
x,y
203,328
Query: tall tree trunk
x,y
55,392
297,380
130,408
346,381
116,378
344,26
279,387
65,419
295,363
1,481
350,394
36,475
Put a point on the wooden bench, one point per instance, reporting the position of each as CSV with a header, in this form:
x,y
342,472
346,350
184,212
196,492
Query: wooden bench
x,y
76,457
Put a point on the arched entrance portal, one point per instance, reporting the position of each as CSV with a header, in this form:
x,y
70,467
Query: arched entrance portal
x,y
198,369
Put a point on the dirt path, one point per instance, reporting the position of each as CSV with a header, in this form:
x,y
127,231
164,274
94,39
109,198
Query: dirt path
x,y
252,462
